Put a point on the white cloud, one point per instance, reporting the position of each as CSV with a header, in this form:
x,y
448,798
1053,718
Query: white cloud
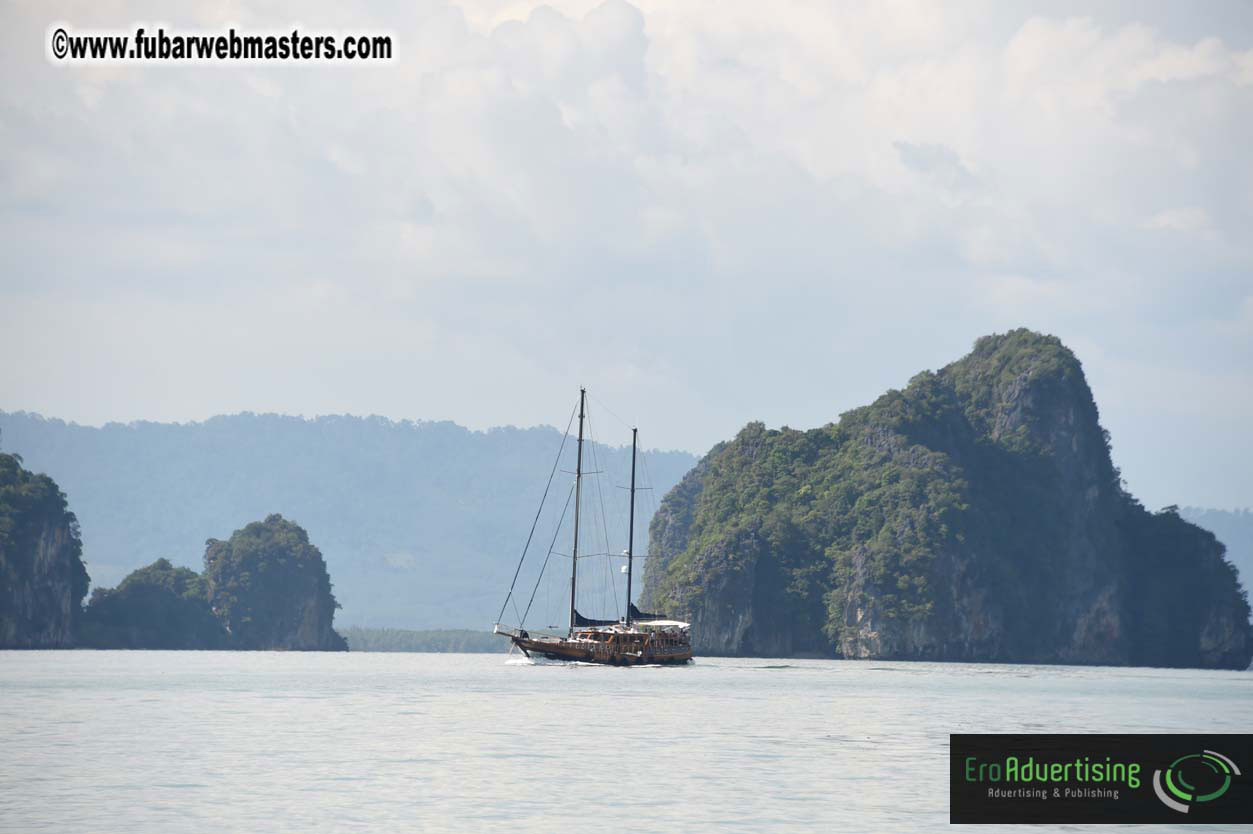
x,y
723,212
1189,219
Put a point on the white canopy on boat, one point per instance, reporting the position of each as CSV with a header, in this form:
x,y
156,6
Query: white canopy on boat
x,y
660,624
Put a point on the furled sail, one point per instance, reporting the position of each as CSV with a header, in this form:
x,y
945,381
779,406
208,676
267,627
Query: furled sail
x,y
637,614
584,622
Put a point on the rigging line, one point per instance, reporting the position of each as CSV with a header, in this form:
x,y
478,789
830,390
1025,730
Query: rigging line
x,y
551,545
600,493
515,610
624,423
608,564
653,499
653,504
648,476
544,498
548,600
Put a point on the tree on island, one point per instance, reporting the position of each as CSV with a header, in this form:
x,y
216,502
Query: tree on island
x,y
156,607
266,588
270,589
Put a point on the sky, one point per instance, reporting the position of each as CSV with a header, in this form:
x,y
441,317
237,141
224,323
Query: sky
x,y
707,213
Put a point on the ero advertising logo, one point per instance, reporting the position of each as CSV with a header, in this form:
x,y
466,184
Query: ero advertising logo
x,y
1194,778
1100,779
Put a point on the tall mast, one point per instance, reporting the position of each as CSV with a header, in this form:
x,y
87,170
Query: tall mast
x,y
631,527
578,495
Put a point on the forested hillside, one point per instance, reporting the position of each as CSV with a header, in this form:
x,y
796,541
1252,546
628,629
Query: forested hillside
x,y
420,524
975,515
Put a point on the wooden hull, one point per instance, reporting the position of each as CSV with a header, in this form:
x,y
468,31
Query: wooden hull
x,y
586,651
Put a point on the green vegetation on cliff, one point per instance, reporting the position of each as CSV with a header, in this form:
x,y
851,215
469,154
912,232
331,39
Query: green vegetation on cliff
x,y
975,515
1234,528
269,587
264,588
156,607
42,577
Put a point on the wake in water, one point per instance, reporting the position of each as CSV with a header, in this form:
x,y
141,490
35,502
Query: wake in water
x,y
544,661
520,661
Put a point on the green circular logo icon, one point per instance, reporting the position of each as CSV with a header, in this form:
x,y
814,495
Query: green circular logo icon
x,y
1194,779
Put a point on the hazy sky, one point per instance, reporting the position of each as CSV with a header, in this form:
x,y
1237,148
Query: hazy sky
x,y
707,213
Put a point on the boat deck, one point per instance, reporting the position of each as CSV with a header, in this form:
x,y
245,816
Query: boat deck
x,y
616,646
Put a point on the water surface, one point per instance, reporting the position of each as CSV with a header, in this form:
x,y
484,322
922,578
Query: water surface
x,y
142,742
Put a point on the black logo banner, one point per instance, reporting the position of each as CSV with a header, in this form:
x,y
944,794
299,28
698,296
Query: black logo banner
x,y
1202,779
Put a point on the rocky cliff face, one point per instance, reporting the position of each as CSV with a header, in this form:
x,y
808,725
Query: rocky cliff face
x,y
974,516
269,587
42,578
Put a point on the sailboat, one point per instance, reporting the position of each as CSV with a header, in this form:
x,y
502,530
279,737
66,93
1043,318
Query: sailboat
x,y
636,639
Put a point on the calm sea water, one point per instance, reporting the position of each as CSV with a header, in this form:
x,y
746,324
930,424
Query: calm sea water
x,y
268,742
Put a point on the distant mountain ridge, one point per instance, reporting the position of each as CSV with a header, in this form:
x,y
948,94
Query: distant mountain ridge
x,y
975,515
420,523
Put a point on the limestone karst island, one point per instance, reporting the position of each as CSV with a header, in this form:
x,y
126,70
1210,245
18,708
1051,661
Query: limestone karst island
x,y
974,515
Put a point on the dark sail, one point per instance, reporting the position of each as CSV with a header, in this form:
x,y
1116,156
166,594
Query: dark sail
x,y
584,622
637,614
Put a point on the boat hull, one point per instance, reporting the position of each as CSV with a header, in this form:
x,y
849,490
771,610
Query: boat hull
x,y
582,651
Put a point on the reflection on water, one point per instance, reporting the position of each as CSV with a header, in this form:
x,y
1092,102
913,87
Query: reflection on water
x,y
192,741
